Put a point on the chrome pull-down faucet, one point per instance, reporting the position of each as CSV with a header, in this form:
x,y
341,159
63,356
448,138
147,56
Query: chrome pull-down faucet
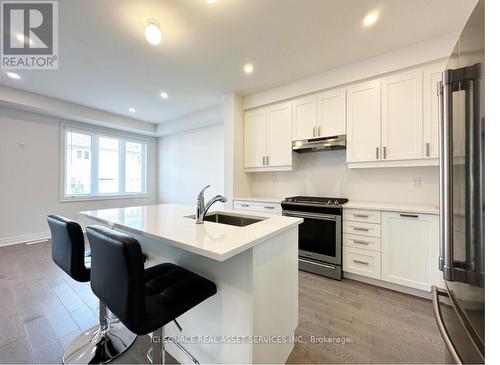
x,y
201,208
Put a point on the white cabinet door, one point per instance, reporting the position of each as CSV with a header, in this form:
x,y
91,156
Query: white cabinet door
x,y
363,122
279,135
402,116
409,247
431,122
255,138
304,118
331,113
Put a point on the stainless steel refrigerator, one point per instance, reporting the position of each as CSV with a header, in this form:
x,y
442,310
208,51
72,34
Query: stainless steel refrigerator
x,y
460,316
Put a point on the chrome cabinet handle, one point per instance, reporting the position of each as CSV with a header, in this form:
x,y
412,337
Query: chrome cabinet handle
x,y
319,130
427,149
385,152
361,242
360,262
376,153
245,205
360,215
314,131
267,160
269,207
263,160
360,229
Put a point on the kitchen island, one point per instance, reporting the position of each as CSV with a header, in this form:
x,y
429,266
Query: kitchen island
x,y
253,316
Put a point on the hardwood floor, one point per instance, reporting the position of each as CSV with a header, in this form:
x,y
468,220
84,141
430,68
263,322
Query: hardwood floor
x,y
382,326
42,310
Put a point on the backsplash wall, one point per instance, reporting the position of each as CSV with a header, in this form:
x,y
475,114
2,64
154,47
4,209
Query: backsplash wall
x,y
326,174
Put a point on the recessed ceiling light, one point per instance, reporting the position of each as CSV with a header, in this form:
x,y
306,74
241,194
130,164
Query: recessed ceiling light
x,y
153,32
370,19
164,95
13,75
132,110
211,1
248,68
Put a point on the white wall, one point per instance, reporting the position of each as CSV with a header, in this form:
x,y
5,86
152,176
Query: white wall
x,y
29,177
187,161
326,174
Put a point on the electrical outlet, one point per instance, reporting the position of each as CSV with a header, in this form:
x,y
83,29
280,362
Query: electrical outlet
x,y
417,181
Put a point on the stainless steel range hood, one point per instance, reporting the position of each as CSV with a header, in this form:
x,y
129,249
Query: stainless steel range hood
x,y
320,144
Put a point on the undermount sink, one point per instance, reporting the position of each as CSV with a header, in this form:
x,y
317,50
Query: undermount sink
x,y
230,219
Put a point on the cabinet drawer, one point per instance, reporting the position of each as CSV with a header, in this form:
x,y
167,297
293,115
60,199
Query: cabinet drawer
x,y
362,229
362,215
363,242
265,207
362,262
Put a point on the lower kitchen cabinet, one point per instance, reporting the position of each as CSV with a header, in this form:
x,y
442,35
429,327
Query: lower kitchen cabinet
x,y
393,247
362,262
409,249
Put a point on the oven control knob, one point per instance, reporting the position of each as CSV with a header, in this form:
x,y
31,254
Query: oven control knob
x,y
336,202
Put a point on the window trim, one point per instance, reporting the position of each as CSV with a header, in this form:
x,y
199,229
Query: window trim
x,y
95,133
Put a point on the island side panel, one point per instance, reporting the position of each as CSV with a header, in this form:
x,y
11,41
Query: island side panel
x,y
227,313
275,295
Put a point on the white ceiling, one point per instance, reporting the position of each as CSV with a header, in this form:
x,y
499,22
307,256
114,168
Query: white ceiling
x,y
105,62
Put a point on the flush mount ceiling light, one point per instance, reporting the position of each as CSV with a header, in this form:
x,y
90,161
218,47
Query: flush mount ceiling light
x,y
13,75
248,68
132,110
164,95
211,1
370,19
153,32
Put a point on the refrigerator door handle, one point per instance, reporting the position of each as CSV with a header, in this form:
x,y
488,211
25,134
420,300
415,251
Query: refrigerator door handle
x,y
445,106
436,292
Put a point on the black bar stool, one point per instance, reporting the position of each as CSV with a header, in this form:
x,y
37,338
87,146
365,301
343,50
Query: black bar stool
x,y
110,338
144,300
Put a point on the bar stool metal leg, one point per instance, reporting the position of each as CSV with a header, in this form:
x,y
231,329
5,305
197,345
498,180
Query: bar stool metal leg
x,y
99,344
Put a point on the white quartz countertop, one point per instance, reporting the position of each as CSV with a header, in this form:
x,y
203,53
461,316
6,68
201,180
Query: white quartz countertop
x,y
394,207
168,223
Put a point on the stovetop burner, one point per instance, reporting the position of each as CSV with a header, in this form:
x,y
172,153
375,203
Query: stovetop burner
x,y
320,201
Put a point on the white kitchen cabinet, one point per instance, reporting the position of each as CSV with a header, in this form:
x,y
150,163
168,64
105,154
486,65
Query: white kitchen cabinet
x,y
363,122
409,249
319,115
402,116
257,206
432,76
331,113
304,117
255,138
268,138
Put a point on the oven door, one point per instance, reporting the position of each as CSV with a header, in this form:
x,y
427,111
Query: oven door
x,y
320,236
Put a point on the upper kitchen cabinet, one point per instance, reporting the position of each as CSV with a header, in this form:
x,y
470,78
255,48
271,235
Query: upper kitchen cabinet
x,y
432,76
304,117
268,138
255,130
331,112
402,116
363,122
394,121
319,115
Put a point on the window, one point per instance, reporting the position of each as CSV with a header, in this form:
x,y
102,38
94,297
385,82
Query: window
x,y
97,165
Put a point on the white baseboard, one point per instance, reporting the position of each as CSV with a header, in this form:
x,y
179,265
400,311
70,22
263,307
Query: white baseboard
x,y
385,284
28,238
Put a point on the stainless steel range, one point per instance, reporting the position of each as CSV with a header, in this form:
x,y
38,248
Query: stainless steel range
x,y
320,236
